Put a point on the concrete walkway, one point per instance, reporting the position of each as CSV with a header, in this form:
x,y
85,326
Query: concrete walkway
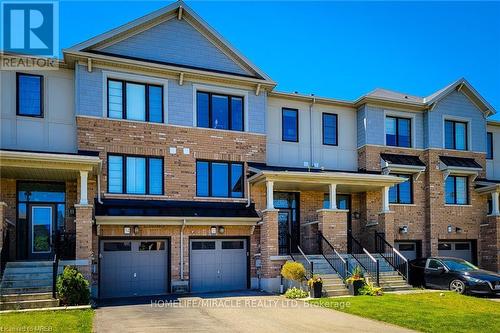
x,y
243,312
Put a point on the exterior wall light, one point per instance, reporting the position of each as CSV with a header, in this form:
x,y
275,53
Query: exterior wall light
x,y
450,229
136,229
403,229
222,230
213,230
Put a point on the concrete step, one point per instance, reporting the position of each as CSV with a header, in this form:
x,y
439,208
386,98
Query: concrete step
x,y
25,297
9,276
31,304
18,264
397,288
28,270
25,290
334,293
25,283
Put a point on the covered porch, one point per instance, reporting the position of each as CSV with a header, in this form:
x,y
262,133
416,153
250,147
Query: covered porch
x,y
46,206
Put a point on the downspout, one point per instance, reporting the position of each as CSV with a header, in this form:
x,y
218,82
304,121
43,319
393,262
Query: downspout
x,y
311,163
182,250
249,201
99,173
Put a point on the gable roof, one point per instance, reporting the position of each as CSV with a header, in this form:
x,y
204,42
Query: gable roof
x,y
177,10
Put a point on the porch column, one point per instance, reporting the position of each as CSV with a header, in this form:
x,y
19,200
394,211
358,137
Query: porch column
x,y
83,187
333,196
333,226
494,204
385,199
84,221
270,195
269,247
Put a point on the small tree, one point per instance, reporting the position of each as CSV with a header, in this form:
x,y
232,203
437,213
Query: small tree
x,y
294,271
72,287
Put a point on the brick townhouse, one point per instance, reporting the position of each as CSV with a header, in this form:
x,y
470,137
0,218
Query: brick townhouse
x,y
159,159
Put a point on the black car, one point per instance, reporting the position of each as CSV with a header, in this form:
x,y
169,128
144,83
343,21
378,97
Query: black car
x,y
453,274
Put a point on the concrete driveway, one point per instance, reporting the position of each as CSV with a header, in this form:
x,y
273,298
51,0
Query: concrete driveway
x,y
234,312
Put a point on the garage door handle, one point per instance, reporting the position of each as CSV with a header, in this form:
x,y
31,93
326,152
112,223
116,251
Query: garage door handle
x,y
135,275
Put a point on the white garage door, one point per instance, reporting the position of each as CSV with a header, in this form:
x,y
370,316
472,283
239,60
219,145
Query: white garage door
x,y
133,268
218,265
407,249
456,250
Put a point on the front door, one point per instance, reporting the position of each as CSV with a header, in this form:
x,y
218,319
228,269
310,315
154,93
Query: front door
x,y
285,231
40,231
344,202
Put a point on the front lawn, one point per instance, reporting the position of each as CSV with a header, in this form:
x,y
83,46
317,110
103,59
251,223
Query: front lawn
x,y
47,321
426,312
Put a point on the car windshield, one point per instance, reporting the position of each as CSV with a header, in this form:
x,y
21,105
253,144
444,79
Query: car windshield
x,y
459,265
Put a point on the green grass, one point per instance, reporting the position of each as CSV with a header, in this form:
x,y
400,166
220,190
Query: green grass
x,y
426,312
47,321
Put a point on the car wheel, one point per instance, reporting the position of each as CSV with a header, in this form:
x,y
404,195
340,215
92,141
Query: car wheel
x,y
457,286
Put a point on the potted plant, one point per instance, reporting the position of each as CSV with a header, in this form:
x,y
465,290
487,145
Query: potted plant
x,y
315,286
356,281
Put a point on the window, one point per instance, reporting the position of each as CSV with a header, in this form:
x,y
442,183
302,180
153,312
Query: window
x,y
203,245
219,179
117,246
398,132
435,264
444,246
406,247
455,136
219,111
456,190
330,130
29,95
152,246
402,193
135,175
489,145
232,245
135,101
290,125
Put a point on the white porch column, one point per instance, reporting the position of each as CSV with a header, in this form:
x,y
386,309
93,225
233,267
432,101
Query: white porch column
x,y
495,211
83,187
333,196
385,199
270,195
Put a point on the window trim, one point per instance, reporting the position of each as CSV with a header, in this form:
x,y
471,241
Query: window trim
x,y
467,198
146,100
398,194
336,128
455,122
489,138
410,134
229,174
229,109
283,109
124,173
42,92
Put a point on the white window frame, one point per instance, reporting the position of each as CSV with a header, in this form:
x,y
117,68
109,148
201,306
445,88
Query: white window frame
x,y
135,78
466,120
225,91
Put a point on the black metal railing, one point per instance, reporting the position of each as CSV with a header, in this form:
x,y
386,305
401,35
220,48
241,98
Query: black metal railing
x,y
339,264
299,256
391,255
4,251
365,259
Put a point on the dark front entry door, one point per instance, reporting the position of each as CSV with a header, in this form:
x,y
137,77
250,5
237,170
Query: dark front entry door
x,y
286,235
344,202
40,231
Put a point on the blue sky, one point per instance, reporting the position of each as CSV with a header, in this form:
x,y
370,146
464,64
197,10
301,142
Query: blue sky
x,y
337,49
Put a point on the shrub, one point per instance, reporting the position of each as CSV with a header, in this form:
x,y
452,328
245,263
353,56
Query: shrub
x,y
370,290
294,271
72,287
293,293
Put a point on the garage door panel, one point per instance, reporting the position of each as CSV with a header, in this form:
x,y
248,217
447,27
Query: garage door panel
x,y
455,249
136,269
222,268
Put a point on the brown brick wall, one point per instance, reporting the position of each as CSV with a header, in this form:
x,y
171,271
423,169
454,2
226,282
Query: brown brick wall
x,y
128,137
490,244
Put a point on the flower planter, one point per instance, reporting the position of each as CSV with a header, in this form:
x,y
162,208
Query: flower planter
x,y
355,286
316,290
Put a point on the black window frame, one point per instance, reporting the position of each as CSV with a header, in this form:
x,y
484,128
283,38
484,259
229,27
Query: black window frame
x,y
41,115
467,196
229,110
283,123
146,100
489,149
410,134
455,122
323,116
398,191
124,173
229,174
